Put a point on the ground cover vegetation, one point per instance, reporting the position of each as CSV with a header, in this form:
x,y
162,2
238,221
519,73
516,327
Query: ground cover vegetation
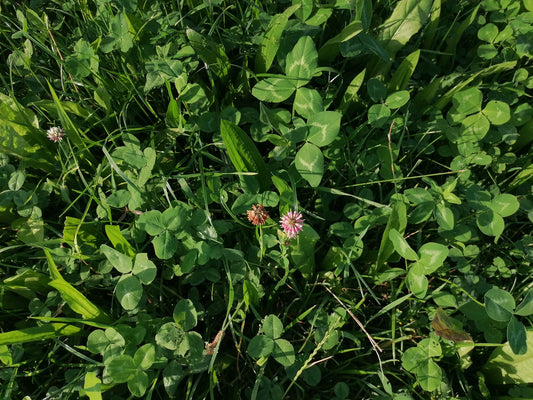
x,y
326,199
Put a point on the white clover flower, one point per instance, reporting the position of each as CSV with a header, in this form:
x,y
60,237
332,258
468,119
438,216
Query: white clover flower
x,y
55,134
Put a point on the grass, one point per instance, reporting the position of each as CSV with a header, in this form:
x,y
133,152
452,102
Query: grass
x,y
400,130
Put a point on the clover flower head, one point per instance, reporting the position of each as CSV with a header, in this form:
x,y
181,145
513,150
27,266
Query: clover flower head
x,y
55,134
292,223
257,215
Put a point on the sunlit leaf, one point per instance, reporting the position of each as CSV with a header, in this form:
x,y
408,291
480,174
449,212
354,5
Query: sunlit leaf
x,y
283,352
406,20
401,246
323,127
274,90
506,367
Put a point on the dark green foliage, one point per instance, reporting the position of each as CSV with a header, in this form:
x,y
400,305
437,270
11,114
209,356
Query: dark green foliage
x,y
401,131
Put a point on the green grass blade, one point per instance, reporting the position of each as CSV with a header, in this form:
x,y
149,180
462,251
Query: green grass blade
x,y
48,331
523,176
73,320
341,193
493,69
52,267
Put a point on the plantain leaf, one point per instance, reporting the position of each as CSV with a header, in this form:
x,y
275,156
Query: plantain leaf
x,y
243,153
397,221
21,135
406,20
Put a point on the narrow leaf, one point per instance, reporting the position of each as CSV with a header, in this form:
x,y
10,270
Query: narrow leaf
x,y
330,49
119,241
398,221
209,52
406,20
402,75
71,129
43,332
270,44
243,153
401,246
75,299
458,31
350,96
